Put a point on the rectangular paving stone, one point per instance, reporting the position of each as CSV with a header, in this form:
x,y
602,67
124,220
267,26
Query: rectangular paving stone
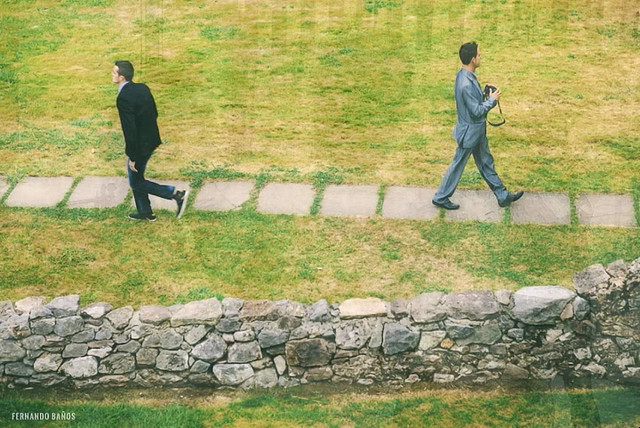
x,y
4,185
542,208
39,192
223,195
348,200
606,210
479,205
99,192
409,203
286,198
165,204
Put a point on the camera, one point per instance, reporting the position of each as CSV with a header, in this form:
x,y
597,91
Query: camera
x,y
488,89
487,93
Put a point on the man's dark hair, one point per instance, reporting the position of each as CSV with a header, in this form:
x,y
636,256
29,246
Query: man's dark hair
x,y
468,51
125,69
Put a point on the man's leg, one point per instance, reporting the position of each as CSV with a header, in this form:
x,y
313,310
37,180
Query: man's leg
x,y
484,161
452,176
142,187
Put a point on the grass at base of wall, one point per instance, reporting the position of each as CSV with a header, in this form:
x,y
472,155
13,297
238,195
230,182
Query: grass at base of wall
x,y
610,407
103,256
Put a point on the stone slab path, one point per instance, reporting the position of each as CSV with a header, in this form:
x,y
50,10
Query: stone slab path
x,y
399,202
99,192
223,195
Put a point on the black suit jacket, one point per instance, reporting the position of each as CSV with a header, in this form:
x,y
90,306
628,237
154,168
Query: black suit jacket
x,y
138,117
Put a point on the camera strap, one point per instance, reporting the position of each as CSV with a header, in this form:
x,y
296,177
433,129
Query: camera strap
x,y
501,115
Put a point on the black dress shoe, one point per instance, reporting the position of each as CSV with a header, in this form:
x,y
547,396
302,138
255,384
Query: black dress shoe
x,y
511,197
447,205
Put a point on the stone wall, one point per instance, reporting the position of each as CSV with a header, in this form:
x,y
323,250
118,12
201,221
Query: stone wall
x,y
473,337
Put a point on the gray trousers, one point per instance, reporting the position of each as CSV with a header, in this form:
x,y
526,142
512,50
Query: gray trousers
x,y
484,162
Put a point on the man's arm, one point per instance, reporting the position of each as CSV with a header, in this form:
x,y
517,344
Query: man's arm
x,y
477,109
127,114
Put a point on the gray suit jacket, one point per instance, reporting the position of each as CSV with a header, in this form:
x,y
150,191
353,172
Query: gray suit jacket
x,y
471,126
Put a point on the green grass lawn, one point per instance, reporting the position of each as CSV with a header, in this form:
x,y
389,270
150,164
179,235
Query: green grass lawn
x,y
320,92
364,87
613,407
102,256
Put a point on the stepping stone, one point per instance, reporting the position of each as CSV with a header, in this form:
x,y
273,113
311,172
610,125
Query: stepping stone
x,y
606,210
476,205
165,204
409,203
223,195
286,198
39,192
99,192
4,186
345,200
542,208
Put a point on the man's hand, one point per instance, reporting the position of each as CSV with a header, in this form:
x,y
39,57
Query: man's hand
x,y
496,94
132,166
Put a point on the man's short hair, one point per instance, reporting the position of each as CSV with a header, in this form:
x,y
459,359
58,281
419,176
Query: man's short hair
x,y
468,51
125,69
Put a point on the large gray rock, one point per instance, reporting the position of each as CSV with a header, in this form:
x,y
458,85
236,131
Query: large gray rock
x,y
259,310
487,334
25,305
86,335
33,342
232,305
588,281
82,367
353,334
203,312
43,326
267,378
309,352
47,363
427,308
18,369
195,334
68,325
581,308
39,312
361,308
120,317
199,367
272,337
18,326
173,361
232,374
130,347
431,339
229,325
6,310
167,339
146,357
117,363
398,338
244,352
75,350
473,305
96,310
211,349
540,305
100,352
319,311
154,314
458,329
65,306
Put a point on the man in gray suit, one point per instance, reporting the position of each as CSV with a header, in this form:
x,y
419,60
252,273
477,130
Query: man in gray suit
x,y
471,134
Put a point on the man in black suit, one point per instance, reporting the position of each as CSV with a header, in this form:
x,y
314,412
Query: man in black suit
x,y
138,115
